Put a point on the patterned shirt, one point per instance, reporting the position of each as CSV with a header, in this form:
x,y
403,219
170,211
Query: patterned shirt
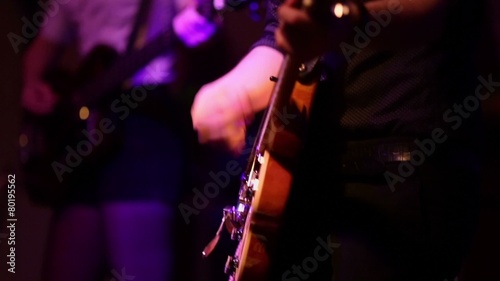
x,y
95,22
405,92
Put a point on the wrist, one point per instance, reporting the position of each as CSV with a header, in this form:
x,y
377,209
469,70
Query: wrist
x,y
243,102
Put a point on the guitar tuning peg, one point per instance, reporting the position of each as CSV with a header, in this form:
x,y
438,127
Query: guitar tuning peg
x,y
273,79
236,234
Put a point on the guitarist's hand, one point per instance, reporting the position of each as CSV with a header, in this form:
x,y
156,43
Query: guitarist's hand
x,y
192,28
218,117
38,97
222,109
308,34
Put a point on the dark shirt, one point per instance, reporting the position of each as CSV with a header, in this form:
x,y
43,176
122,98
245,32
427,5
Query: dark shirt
x,y
406,92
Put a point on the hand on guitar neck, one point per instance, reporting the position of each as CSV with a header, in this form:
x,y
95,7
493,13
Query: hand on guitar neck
x,y
309,28
222,107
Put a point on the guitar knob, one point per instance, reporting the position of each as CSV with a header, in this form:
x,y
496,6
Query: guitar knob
x,y
236,234
231,265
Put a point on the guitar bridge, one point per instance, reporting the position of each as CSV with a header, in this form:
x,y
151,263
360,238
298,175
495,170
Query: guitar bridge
x,y
233,219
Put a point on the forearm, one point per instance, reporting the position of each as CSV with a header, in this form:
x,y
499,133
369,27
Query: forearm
x,y
253,73
221,109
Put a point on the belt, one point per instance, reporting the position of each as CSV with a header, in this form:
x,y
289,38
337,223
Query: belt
x,y
371,157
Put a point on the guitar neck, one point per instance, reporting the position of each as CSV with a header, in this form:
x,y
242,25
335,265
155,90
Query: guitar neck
x,y
281,94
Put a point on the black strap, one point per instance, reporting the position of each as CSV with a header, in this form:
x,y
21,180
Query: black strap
x,y
140,19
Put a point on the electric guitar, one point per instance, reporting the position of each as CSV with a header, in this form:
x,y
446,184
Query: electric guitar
x,y
266,183
258,215
263,195
54,146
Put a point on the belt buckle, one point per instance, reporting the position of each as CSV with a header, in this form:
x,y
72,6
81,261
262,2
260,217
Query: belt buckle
x,y
395,152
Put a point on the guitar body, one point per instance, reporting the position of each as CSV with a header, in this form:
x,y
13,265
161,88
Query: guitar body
x,y
255,251
44,140
47,139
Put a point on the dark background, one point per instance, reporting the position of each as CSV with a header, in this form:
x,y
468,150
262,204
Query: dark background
x,y
238,33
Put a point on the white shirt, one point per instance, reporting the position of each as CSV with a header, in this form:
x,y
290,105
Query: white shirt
x,y
109,22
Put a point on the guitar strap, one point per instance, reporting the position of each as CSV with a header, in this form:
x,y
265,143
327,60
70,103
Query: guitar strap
x,y
137,37
138,33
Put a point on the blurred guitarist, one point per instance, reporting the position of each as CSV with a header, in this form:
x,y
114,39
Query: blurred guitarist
x,y
387,188
117,219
